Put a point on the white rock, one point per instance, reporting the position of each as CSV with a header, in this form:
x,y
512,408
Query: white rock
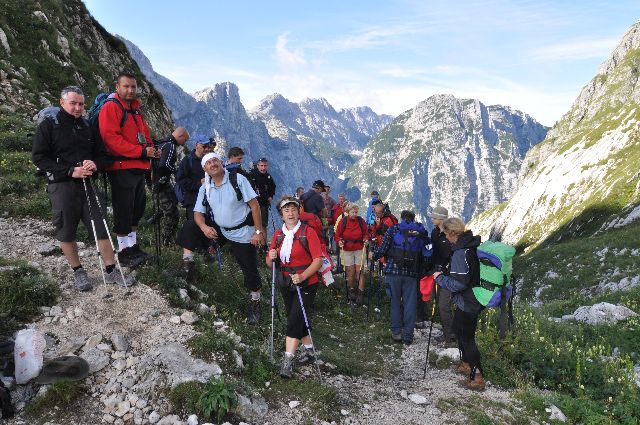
x,y
122,409
184,295
203,309
189,317
92,342
556,414
154,417
403,393
97,359
45,310
344,412
417,398
451,353
56,310
294,403
603,313
119,342
192,420
175,320
141,403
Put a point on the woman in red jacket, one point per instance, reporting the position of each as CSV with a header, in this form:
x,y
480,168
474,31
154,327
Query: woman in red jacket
x,y
351,236
296,250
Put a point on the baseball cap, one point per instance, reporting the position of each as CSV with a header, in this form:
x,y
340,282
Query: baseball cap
x,y
200,139
319,184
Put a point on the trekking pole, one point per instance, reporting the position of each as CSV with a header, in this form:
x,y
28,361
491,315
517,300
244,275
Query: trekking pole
x,y
362,260
104,222
433,312
344,275
273,306
306,322
158,222
93,227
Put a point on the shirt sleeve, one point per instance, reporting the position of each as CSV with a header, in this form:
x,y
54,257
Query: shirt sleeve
x,y
245,187
199,207
314,243
385,245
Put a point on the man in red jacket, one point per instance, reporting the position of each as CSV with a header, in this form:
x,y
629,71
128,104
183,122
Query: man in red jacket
x,y
131,147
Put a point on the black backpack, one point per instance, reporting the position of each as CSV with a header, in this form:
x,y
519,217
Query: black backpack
x,y
94,112
233,179
363,226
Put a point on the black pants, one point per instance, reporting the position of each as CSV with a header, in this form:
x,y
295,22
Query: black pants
x,y
191,237
246,256
128,198
445,311
264,213
465,325
296,328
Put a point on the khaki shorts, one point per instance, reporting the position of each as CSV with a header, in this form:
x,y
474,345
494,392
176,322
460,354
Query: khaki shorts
x,y
353,257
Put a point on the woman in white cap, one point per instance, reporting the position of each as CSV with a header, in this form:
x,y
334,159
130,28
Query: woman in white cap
x,y
297,253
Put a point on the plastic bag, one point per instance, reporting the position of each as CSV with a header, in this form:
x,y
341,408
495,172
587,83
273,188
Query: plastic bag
x,y
28,350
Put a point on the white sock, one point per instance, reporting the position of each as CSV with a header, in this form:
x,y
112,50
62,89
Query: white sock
x,y
288,354
123,242
133,239
255,295
188,257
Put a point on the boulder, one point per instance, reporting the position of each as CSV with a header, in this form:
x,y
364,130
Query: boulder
x,y
119,342
189,317
253,410
602,313
97,359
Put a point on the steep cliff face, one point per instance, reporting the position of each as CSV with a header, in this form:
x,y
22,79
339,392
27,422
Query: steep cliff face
x,y
47,45
584,177
457,153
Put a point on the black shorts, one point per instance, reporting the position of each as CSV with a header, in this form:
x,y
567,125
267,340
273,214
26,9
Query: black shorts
x,y
128,198
69,206
296,327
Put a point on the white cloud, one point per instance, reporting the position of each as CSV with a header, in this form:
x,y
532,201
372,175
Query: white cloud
x,y
576,49
287,57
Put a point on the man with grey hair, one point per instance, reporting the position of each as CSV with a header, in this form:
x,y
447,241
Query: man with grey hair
x,y
65,150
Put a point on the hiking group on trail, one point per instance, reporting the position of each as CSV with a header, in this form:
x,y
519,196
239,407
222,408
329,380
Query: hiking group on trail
x,y
227,205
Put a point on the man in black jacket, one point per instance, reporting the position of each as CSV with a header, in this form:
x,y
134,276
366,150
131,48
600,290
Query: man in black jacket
x,y
161,179
65,149
265,186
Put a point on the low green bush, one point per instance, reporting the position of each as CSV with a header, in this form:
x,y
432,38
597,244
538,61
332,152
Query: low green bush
x,y
216,399
59,395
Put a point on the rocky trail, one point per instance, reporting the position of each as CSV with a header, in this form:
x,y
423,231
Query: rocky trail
x,y
134,343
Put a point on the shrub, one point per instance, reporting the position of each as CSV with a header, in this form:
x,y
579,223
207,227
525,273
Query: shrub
x,y
59,394
217,398
184,397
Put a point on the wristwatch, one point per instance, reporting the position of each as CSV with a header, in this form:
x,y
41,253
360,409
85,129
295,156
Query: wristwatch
x,y
258,232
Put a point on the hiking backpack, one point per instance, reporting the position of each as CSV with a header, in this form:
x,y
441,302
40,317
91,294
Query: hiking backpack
x,y
233,179
94,112
409,249
363,226
495,274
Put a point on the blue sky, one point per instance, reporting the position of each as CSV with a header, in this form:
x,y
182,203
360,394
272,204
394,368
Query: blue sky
x,y
531,55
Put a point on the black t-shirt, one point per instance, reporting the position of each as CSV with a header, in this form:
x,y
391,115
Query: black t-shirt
x,y
313,202
441,248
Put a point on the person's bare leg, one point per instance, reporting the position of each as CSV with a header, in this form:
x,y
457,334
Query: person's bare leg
x,y
70,251
106,252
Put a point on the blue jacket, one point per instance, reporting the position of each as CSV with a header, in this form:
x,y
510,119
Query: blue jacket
x,y
189,176
370,218
464,273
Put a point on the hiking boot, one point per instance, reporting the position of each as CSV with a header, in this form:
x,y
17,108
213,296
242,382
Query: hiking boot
x,y
83,281
475,384
155,217
422,325
360,297
450,343
138,254
396,337
125,256
116,277
286,370
353,294
305,357
187,270
464,368
253,316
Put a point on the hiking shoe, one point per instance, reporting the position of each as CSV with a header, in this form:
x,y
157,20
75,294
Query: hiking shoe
x,y
305,357
253,315
450,343
360,297
396,337
83,281
422,325
475,384
138,253
286,370
125,256
464,368
353,294
155,217
116,277
187,270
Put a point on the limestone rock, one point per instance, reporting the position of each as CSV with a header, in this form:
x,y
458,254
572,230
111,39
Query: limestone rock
x,y
97,359
189,317
119,342
603,313
417,398
255,409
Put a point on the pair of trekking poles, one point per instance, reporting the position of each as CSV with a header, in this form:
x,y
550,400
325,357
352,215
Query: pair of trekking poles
x,y
304,315
106,227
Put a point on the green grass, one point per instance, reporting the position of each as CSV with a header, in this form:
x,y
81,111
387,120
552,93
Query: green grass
x,y
59,395
22,290
20,185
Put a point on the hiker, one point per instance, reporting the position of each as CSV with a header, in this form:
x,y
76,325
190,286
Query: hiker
x,y
375,199
404,249
236,221
131,147
296,250
462,276
299,192
351,237
265,187
190,174
161,179
441,258
235,156
312,200
65,149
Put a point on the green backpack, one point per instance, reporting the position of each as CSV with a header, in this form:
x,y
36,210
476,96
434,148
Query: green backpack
x,y
495,273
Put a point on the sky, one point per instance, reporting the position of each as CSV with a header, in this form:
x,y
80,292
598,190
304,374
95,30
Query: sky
x,y
534,56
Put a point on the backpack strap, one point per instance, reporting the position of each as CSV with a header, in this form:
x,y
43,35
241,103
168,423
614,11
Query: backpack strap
x,y
233,179
124,110
302,238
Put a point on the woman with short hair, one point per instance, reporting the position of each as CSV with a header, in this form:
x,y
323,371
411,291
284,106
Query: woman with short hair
x,y
463,275
297,253
351,236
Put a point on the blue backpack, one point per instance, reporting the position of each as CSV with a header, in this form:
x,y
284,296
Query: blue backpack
x,y
94,112
410,247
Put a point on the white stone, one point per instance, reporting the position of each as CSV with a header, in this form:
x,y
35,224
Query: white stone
x,y
56,310
184,295
92,342
417,398
154,417
294,403
344,412
122,409
203,309
451,353
189,317
175,320
141,403
4,41
603,313
119,342
192,420
556,414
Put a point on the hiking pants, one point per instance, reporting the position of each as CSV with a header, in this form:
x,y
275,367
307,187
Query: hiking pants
x,y
296,327
445,311
264,213
191,237
402,290
465,325
169,207
246,256
128,198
